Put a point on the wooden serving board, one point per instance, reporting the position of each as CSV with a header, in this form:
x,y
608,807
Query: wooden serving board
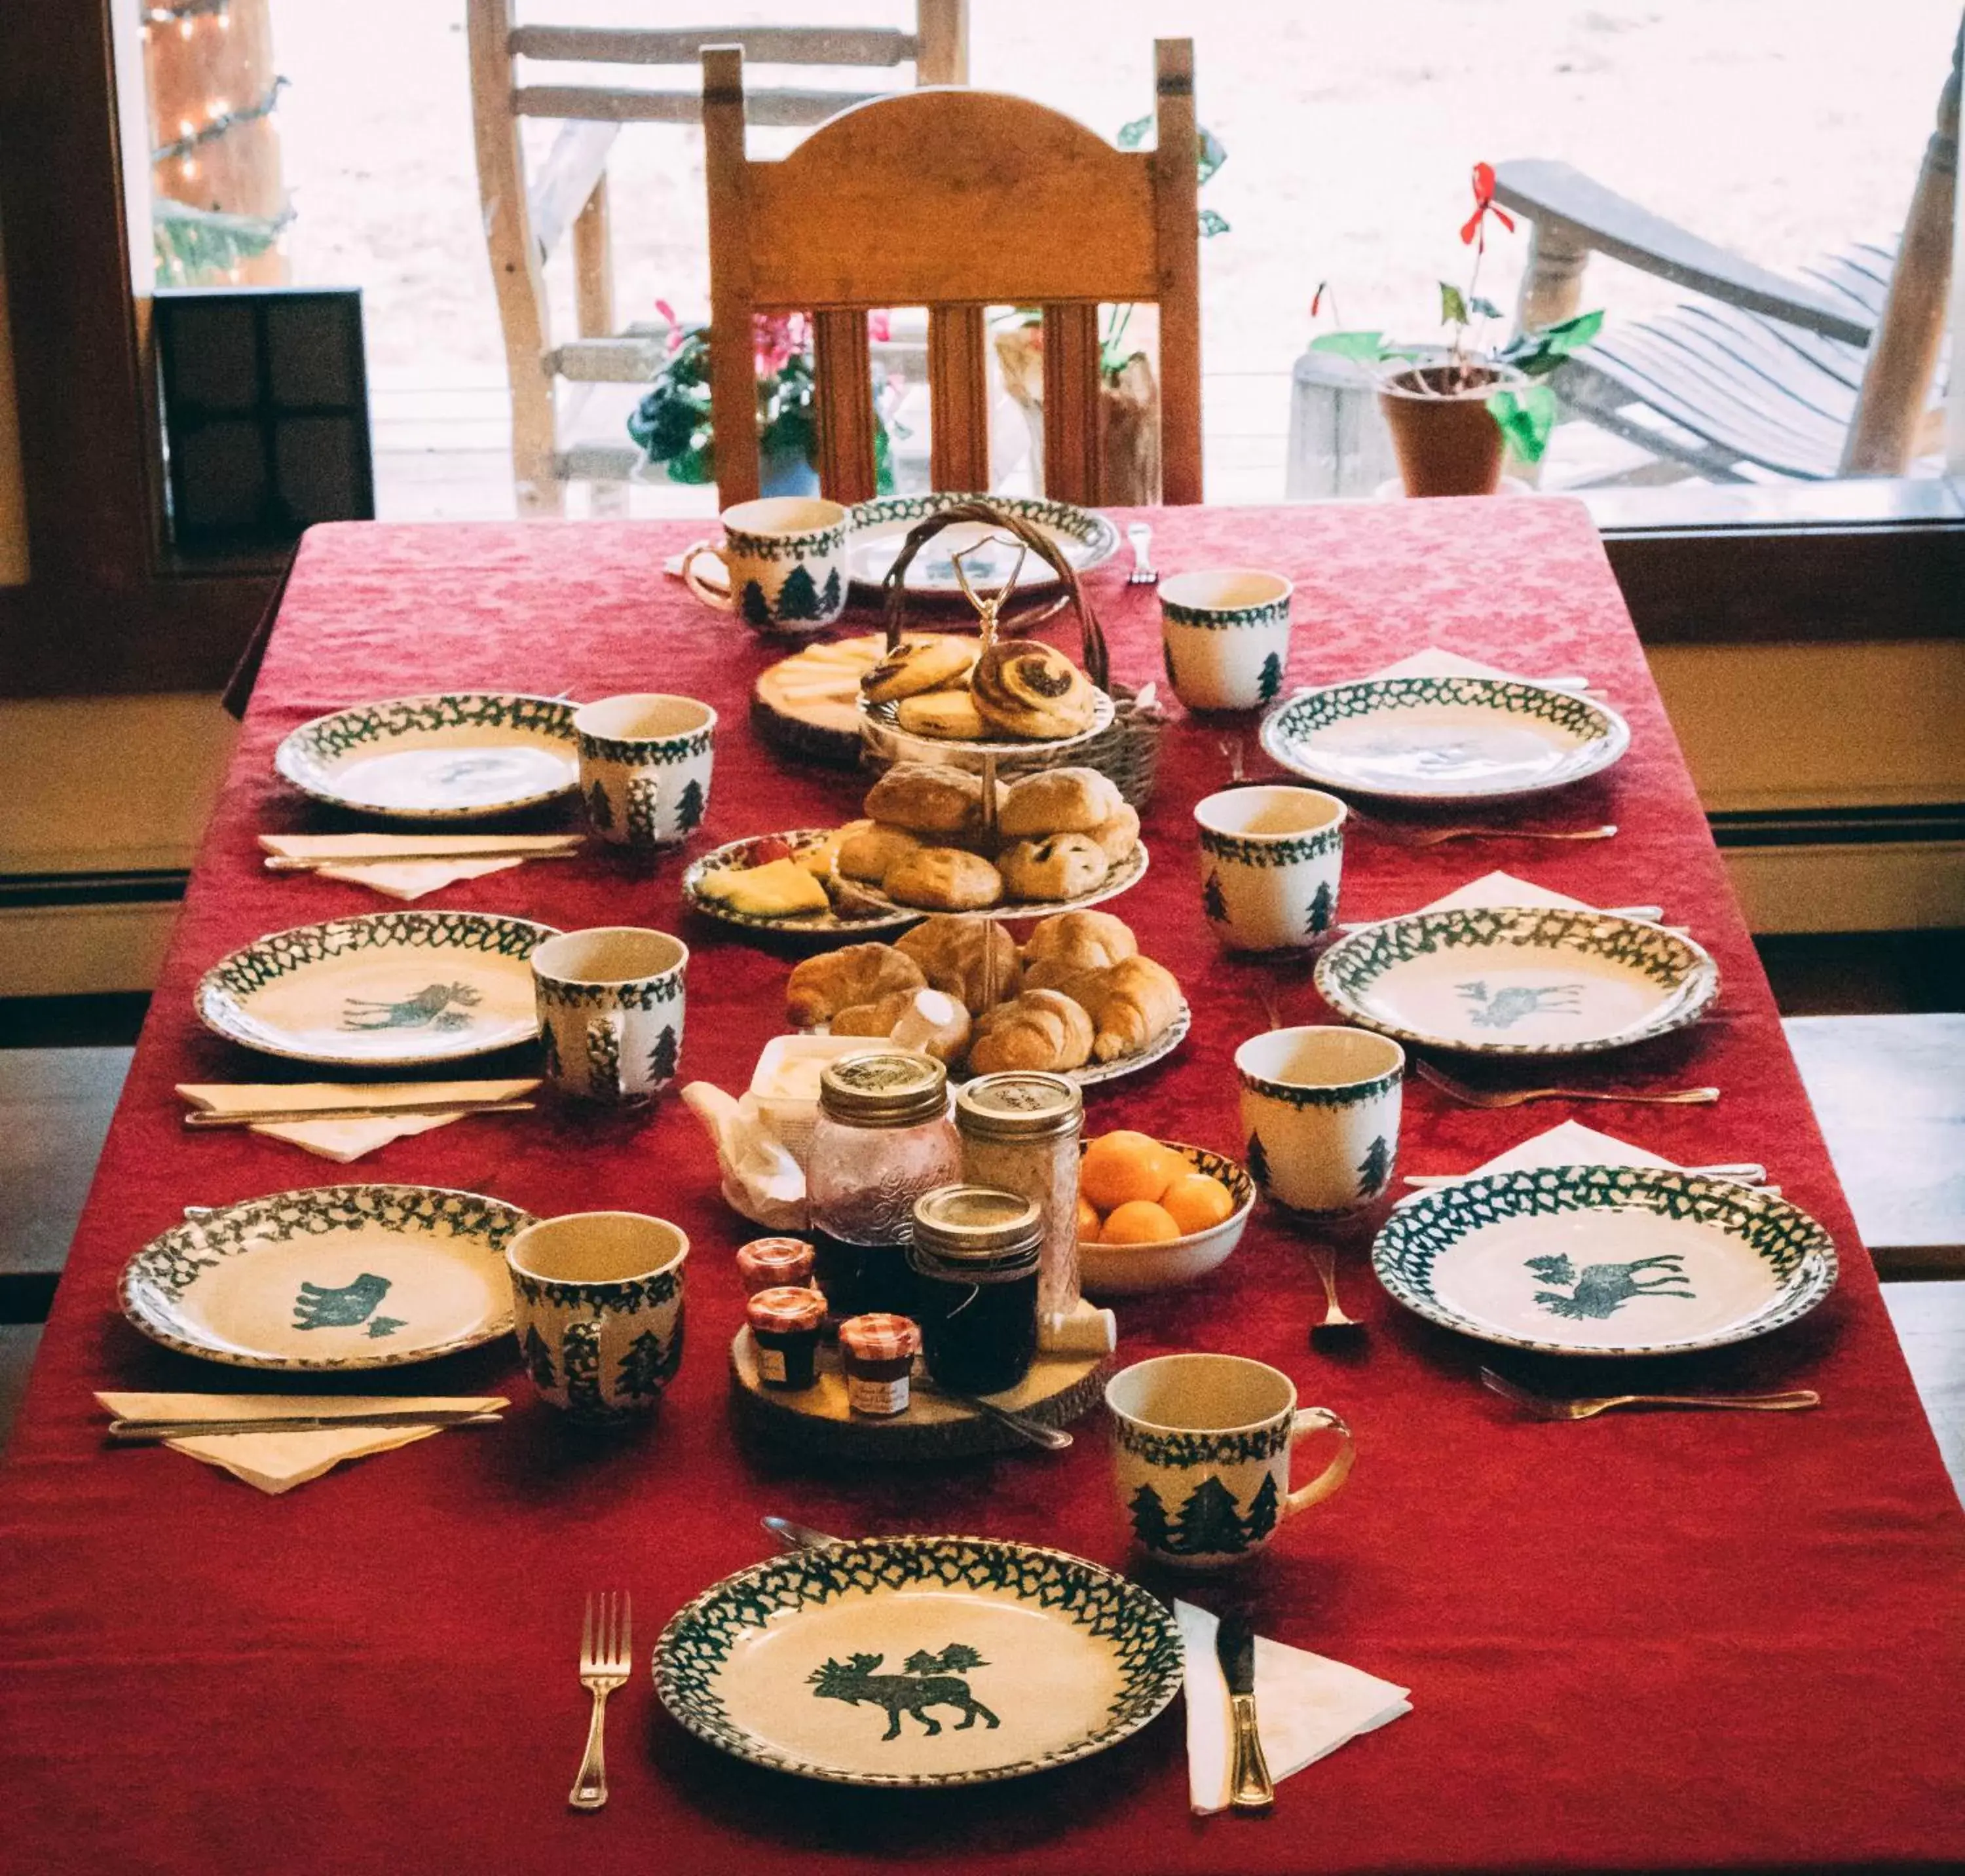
x,y
808,705
818,1420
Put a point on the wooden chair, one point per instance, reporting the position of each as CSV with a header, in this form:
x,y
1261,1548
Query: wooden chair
x,y
1831,379
956,200
525,218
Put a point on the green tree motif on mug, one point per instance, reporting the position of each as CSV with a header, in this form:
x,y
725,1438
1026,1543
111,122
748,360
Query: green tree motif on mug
x,y
757,608
549,1062
830,601
1321,907
538,1359
1209,1524
648,1363
600,808
1374,1169
689,808
1258,1162
1212,902
1272,679
662,1057
798,598
1150,1520
1263,1507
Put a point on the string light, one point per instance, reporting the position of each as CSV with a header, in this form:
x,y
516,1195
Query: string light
x,y
223,119
188,167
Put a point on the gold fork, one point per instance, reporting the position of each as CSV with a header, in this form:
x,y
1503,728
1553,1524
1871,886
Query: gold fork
x,y
1544,1407
1514,1097
604,1658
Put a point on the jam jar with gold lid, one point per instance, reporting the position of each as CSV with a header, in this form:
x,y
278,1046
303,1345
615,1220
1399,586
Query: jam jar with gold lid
x,y
974,1257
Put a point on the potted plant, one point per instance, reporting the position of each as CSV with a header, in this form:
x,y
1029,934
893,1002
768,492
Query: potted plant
x,y
672,425
1453,411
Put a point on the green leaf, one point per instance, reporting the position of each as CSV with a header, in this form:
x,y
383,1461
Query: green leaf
x,y
1368,346
1570,335
1484,309
1131,136
1525,419
1452,305
1212,224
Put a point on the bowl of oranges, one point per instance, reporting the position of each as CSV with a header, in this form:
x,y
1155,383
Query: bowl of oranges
x,y
1156,1213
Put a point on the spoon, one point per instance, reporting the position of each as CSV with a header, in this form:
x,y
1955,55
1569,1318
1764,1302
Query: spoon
x,y
1334,1318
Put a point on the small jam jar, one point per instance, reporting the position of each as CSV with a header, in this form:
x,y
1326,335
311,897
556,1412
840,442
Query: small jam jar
x,y
771,1263
975,1254
877,1353
785,1323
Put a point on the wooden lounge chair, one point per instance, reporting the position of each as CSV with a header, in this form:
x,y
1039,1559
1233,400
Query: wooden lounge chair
x,y
1834,377
957,201
526,218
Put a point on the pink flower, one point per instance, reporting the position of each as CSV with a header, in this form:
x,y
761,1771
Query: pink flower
x,y
879,327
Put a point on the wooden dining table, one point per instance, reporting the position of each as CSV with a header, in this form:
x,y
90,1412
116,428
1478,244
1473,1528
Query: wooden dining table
x,y
1650,1641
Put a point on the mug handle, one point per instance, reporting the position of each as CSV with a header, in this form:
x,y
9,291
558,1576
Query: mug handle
x,y
605,1035
1313,1420
584,1392
723,602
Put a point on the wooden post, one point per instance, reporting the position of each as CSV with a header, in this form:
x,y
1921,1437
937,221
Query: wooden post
x,y
1177,210
594,266
1071,403
941,36
1887,429
733,370
843,376
958,384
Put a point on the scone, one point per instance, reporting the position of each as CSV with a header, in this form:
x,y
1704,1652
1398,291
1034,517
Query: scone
x,y
917,665
868,855
951,715
974,959
1038,1030
1116,838
1082,941
943,879
925,799
1060,866
819,988
1059,801
820,857
1032,691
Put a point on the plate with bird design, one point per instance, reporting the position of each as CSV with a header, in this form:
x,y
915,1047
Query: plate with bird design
x,y
381,990
328,1277
1605,1260
918,1661
1518,980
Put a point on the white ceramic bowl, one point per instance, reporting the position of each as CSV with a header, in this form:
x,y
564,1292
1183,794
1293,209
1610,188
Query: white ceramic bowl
x,y
1133,1269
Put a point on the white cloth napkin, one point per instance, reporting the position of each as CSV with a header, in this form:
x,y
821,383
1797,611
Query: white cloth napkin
x,y
1568,1144
1504,889
274,1463
760,1179
343,1141
409,879
1435,663
1306,1706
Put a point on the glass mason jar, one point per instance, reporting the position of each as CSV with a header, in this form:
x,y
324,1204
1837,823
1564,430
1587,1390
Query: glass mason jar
x,y
1019,1134
883,1137
975,1259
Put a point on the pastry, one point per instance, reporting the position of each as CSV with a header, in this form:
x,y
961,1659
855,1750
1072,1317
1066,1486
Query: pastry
x,y
1040,1029
821,987
868,855
1059,801
819,858
1117,838
951,715
943,879
974,959
931,1020
783,889
927,799
1131,1004
917,665
1060,866
1026,688
1082,941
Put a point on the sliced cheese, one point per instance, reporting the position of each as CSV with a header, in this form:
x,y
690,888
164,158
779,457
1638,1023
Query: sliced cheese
x,y
781,890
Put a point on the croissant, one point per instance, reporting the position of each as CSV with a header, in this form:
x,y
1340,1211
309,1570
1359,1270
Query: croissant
x,y
1083,941
1039,1030
951,950
821,987
1131,1004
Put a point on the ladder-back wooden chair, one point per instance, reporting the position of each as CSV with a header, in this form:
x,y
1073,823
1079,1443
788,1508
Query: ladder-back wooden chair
x,y
1841,378
956,200
526,217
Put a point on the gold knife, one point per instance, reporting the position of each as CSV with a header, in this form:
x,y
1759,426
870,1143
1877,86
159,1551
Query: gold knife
x,y
141,1432
1250,1787
266,1117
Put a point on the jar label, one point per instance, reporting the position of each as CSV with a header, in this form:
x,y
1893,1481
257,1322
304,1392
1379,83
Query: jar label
x,y
877,1397
771,1363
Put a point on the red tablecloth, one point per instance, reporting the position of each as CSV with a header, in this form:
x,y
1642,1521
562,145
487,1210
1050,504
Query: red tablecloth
x,y
1725,1640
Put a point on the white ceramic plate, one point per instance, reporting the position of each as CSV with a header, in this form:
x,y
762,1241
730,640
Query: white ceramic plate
x,y
1443,738
332,1277
918,1661
384,990
880,527
1611,1260
1162,1046
1135,1269
1518,980
458,757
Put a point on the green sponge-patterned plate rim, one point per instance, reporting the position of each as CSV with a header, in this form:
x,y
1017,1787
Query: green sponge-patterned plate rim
x,y
700,1636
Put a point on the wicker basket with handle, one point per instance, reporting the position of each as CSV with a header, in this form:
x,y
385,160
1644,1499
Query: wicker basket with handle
x,y
1127,750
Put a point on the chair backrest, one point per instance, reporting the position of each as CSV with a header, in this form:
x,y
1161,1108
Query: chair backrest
x,y
956,200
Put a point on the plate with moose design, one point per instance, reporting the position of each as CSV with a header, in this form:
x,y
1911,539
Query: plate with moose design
x,y
918,1661
1605,1260
328,1277
1518,980
381,990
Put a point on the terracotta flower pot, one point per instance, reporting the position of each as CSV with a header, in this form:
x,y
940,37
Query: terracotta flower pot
x,y
1446,441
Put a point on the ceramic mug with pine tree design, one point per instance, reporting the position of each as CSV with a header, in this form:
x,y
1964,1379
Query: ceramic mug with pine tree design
x,y
1320,1107
596,1305
1201,1455
1225,637
610,1002
645,765
785,559
1272,860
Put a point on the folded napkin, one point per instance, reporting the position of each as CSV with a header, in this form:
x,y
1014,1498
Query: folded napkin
x,y
278,1462
1504,889
1435,663
343,1141
1569,1144
411,879
760,1179
1306,1706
